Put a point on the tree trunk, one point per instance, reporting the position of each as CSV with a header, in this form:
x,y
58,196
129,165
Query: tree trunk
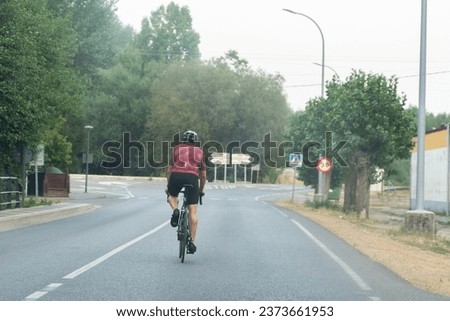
x,y
357,185
362,181
367,205
350,190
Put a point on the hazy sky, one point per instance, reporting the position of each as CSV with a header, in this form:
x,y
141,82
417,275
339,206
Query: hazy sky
x,y
381,36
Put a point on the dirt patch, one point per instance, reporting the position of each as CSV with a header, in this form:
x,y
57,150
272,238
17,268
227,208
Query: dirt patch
x,y
421,260
287,177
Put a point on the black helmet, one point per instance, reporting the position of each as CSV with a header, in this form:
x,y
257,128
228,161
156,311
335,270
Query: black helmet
x,y
189,137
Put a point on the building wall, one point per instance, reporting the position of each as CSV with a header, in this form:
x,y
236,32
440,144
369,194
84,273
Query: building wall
x,y
436,189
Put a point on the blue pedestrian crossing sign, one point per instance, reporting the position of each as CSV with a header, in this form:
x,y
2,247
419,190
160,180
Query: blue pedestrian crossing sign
x,y
295,160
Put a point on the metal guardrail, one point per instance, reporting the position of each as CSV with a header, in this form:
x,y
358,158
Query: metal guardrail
x,y
10,193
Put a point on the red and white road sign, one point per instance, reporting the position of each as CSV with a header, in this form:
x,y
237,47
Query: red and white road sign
x,y
324,165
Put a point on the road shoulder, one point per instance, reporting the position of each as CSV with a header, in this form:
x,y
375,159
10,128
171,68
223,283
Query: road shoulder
x,y
423,268
24,217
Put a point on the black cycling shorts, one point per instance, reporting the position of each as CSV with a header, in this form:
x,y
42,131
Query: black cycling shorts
x,y
176,182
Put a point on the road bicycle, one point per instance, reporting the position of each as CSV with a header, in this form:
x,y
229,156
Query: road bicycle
x,y
183,230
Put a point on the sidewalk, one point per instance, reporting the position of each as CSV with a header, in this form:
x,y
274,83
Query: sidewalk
x,y
78,203
23,217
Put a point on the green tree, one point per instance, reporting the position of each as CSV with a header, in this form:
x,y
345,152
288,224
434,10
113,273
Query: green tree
x,y
371,116
119,103
168,35
36,78
219,102
100,37
437,121
97,28
307,130
58,150
223,103
367,113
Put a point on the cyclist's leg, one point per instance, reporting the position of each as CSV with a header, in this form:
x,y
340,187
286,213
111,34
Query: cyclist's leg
x,y
192,200
173,189
193,220
173,201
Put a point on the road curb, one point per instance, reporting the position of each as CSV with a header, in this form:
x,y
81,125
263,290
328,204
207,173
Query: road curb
x,y
14,219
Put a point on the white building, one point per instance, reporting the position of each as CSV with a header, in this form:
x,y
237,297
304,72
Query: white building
x,y
437,171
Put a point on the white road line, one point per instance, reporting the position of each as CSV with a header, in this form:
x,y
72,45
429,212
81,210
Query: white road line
x,y
353,275
105,257
276,209
36,295
128,192
347,269
52,286
39,294
258,198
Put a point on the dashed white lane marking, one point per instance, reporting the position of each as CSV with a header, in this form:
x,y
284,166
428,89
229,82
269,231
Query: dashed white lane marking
x,y
36,295
103,258
39,294
220,186
223,199
52,286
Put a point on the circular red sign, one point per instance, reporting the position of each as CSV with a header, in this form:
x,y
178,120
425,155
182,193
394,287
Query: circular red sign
x,y
324,165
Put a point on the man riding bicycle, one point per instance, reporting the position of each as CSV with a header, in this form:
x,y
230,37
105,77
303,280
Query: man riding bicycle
x,y
187,166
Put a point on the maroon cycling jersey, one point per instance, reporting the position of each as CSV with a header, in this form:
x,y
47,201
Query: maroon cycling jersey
x,y
188,159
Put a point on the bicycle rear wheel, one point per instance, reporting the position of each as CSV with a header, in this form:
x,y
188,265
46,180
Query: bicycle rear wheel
x,y
179,233
184,235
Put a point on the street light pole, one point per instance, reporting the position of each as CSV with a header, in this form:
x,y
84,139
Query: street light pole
x,y
320,178
420,181
323,47
88,127
419,214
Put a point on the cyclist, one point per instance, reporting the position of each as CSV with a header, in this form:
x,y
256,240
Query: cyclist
x,y
187,166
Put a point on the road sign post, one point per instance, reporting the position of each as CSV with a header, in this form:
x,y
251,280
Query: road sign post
x,y
295,161
324,166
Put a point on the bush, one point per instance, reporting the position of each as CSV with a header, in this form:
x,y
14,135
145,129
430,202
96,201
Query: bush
x,y
323,204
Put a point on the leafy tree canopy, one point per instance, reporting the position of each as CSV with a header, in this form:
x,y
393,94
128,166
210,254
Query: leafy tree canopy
x,y
168,35
36,79
220,103
366,112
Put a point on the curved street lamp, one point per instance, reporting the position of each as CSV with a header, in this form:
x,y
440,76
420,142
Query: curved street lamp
x,y
332,69
323,46
320,178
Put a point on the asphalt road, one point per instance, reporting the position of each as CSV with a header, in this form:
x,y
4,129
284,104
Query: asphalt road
x,y
248,249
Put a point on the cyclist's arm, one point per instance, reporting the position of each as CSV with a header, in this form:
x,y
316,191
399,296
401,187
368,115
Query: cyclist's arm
x,y
168,175
202,175
202,180
169,168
